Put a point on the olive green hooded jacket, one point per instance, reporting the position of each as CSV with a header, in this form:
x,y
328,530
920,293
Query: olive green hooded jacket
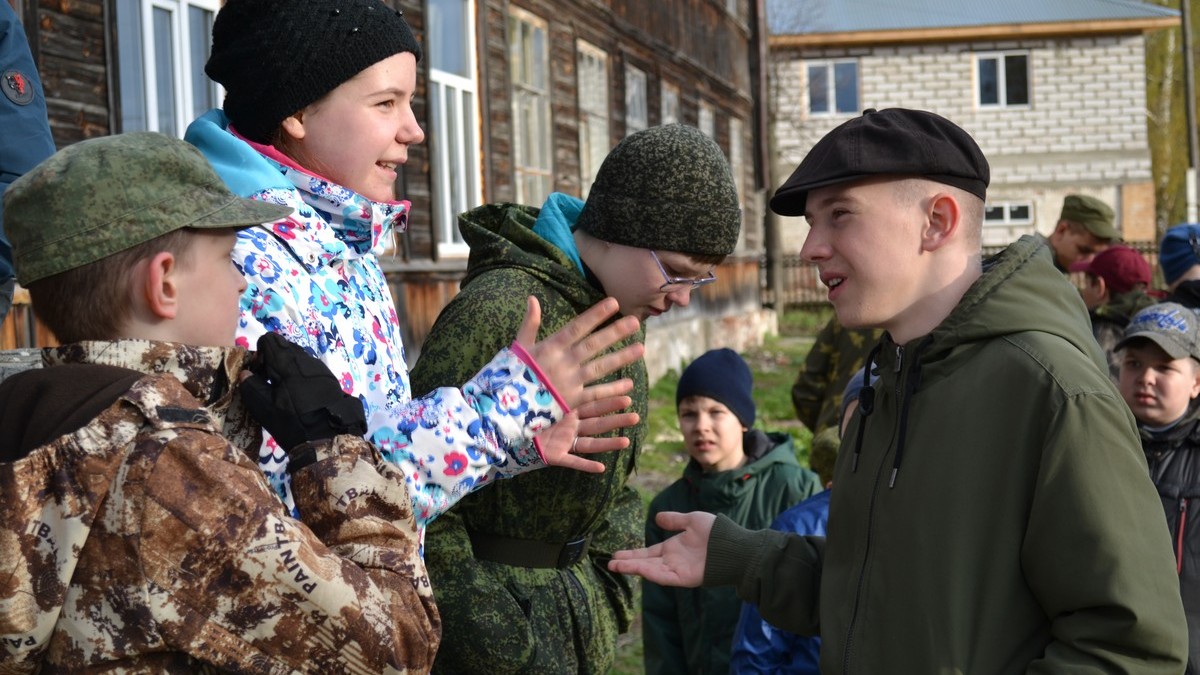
x,y
499,618
997,515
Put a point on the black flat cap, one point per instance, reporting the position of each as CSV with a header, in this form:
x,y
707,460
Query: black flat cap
x,y
895,141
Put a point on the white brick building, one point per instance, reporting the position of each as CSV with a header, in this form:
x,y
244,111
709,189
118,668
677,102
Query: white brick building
x,y
1052,90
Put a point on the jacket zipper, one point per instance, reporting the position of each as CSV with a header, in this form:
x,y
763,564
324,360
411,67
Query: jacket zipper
x,y
1180,528
862,574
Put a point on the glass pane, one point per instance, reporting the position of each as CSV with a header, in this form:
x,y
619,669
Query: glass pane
x,y
993,214
989,82
1016,78
818,89
470,168
845,78
204,91
537,58
448,31
129,55
670,105
164,48
1018,212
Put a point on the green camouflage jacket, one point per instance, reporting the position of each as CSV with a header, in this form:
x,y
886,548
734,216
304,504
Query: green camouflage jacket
x,y
502,618
144,541
834,357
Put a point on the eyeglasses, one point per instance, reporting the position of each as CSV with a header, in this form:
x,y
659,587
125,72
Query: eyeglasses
x,y
680,283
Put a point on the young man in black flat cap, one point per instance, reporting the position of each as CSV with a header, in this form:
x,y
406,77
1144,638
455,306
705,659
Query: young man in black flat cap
x,y
993,511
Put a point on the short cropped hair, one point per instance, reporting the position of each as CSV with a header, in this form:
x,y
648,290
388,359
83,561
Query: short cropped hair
x,y
93,302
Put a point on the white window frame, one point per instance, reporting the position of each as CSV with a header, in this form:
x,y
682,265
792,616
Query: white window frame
x,y
533,159
181,68
456,164
706,121
593,88
637,111
830,68
668,103
1006,229
1000,57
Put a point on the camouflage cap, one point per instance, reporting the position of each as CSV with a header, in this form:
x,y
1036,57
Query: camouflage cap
x,y
1093,214
105,195
666,188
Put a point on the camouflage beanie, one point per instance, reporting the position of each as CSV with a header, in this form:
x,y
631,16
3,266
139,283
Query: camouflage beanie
x,y
666,188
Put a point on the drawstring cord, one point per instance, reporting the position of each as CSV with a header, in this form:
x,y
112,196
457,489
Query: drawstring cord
x,y
866,403
910,389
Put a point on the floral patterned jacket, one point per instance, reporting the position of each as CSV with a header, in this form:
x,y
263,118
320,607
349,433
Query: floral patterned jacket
x,y
315,279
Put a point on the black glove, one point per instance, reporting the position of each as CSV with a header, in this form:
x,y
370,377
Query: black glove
x,y
296,398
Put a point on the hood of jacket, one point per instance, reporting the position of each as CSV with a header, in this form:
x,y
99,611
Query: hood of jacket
x,y
501,236
1121,308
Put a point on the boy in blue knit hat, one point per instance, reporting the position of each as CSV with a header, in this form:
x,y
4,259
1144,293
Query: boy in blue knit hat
x,y
749,475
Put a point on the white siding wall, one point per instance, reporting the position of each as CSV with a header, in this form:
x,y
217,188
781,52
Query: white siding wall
x,y
1084,130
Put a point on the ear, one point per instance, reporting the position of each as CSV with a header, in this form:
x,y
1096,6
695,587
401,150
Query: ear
x,y
943,219
1196,381
1102,285
159,287
293,125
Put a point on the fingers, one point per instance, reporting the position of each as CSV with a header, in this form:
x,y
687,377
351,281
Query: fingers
x,y
587,446
654,551
582,325
596,426
527,333
600,367
580,464
602,399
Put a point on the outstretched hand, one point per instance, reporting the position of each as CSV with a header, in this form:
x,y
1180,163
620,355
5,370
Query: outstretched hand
x,y
561,443
573,356
678,561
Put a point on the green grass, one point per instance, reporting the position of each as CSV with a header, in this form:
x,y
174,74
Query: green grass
x,y
774,365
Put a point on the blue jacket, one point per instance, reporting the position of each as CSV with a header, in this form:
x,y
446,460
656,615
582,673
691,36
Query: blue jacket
x,y
759,647
26,140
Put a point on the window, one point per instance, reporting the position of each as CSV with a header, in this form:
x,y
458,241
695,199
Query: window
x,y
1002,79
669,104
636,115
453,118
705,121
832,87
529,59
737,166
593,112
1004,222
161,54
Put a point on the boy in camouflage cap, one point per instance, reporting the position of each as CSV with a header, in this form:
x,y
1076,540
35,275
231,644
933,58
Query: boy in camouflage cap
x,y
138,534
1084,228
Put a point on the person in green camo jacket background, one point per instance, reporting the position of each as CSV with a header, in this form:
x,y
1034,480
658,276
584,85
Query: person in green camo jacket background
x,y
837,353
519,570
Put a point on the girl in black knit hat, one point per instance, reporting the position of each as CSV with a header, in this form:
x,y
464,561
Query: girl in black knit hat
x,y
317,116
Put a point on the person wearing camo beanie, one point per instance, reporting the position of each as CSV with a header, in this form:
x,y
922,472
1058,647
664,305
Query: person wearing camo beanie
x,y
661,214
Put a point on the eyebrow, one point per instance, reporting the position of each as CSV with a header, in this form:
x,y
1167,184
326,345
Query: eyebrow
x,y
829,201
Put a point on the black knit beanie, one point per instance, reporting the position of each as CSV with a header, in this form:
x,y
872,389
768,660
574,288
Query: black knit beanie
x,y
666,188
722,375
274,57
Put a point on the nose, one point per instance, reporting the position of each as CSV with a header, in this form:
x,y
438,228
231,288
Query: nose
x,y
814,249
681,297
410,132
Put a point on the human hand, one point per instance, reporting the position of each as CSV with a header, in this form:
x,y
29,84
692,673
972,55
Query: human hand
x,y
573,356
561,443
296,398
678,561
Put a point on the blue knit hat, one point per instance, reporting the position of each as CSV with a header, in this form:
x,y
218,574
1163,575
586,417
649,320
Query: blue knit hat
x,y
722,375
1176,254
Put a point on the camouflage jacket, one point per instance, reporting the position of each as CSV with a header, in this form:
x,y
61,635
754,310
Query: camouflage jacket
x,y
834,357
145,541
505,618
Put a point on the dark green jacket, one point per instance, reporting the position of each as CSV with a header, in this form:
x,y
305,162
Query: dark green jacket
x,y
1021,532
498,618
690,630
1109,321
